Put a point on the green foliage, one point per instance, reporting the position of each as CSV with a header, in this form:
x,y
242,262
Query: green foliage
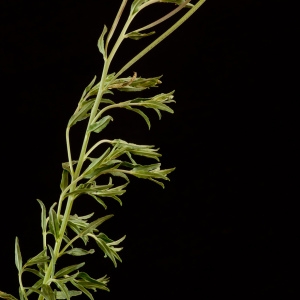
x,y
80,177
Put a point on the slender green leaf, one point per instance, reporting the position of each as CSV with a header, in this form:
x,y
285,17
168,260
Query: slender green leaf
x,y
158,105
99,200
68,270
84,217
95,224
36,272
158,182
158,113
7,296
37,285
53,222
81,114
138,111
48,292
18,256
66,165
91,285
111,242
43,216
101,42
107,101
77,230
68,278
84,290
108,252
109,78
90,282
97,171
119,174
67,240
63,289
35,290
64,180
136,5
79,252
97,161
100,125
104,279
87,89
61,295
53,257
138,84
137,36
39,258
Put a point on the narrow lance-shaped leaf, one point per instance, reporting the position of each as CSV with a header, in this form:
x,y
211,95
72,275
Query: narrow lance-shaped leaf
x,y
97,161
35,290
107,251
53,222
18,256
87,89
100,201
119,174
100,125
63,289
68,270
61,295
79,252
53,258
81,114
7,296
48,292
37,285
84,290
131,84
64,180
95,224
89,282
136,5
35,272
66,165
39,258
43,216
137,36
101,42
138,111
114,164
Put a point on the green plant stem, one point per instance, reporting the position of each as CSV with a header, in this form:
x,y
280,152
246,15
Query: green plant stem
x,y
69,151
164,18
95,146
75,177
21,286
160,38
115,24
83,156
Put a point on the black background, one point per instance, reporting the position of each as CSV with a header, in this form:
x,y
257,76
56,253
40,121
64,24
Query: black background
x,y
226,224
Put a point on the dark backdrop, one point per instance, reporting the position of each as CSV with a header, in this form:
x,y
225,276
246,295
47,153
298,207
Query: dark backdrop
x,y
226,223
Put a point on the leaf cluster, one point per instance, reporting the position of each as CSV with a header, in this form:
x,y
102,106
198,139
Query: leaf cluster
x,y
81,176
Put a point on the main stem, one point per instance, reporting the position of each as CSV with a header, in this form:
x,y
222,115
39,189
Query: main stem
x,y
82,156
81,159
